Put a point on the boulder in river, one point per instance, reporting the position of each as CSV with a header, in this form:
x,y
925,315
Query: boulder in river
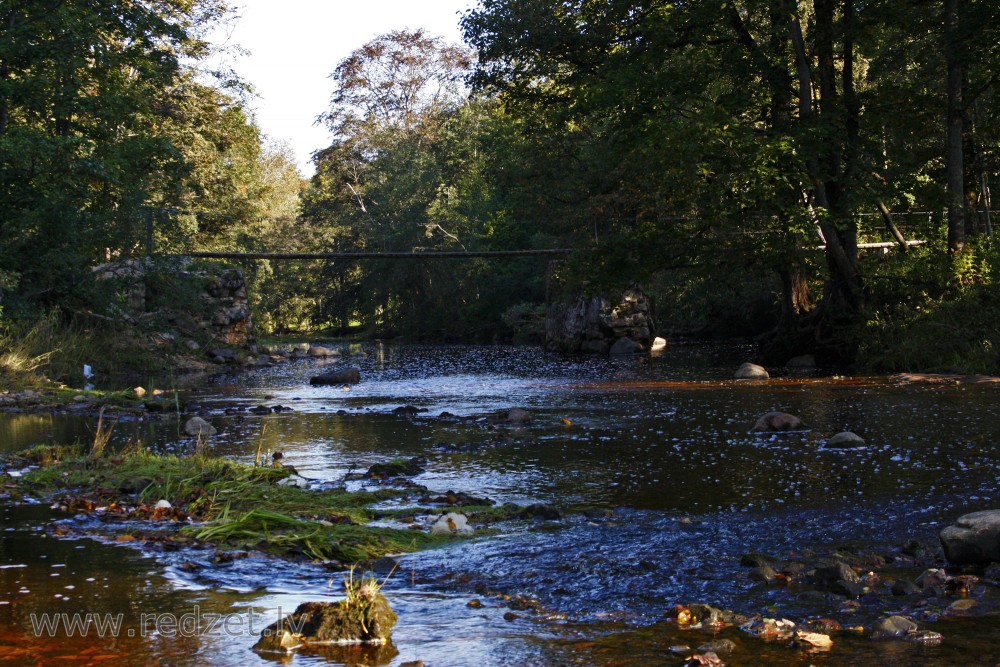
x,y
750,371
771,422
900,627
626,345
363,617
511,416
974,539
845,440
349,375
197,427
893,627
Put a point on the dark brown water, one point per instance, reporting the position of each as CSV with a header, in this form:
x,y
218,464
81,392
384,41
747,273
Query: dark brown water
x,y
658,449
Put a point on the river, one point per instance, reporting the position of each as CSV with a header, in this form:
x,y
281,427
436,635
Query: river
x,y
652,458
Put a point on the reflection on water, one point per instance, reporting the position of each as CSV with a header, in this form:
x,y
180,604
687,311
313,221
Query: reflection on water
x,y
664,443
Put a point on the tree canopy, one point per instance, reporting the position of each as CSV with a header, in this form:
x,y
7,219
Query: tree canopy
x,y
733,155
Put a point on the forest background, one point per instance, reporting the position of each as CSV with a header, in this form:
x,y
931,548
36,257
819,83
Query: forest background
x,y
732,157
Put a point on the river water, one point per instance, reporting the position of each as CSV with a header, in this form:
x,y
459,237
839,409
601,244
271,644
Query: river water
x,y
664,485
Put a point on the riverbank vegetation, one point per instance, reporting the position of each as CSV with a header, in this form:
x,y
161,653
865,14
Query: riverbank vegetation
x,y
733,158
216,501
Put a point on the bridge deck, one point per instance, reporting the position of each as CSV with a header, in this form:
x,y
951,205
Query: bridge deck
x,y
554,252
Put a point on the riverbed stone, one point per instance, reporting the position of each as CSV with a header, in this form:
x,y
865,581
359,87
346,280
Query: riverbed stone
x,y
198,427
516,416
624,346
452,523
777,421
658,343
349,375
322,351
719,646
894,627
845,440
764,573
974,539
903,587
757,559
935,577
830,574
750,371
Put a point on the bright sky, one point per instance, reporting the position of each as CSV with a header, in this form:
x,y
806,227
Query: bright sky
x,y
295,44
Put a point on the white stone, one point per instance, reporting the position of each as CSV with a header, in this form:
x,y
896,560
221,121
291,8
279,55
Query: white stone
x,y
295,481
750,371
452,523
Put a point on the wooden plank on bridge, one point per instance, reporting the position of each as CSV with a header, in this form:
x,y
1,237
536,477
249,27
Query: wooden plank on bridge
x,y
551,252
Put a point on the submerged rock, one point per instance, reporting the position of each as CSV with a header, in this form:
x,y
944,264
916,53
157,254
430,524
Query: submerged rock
x,y
348,375
408,411
541,511
900,627
397,468
320,351
459,499
363,617
750,371
777,421
511,416
974,539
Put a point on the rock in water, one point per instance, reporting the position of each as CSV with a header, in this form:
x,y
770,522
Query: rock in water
x,y
777,421
845,440
750,371
338,376
894,627
452,523
321,351
626,346
197,427
518,416
974,539
363,617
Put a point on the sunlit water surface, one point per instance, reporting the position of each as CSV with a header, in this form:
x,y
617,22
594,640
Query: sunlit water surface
x,y
668,487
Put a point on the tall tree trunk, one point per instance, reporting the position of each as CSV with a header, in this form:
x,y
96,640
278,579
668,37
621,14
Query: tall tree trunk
x,y
954,153
796,300
841,261
852,108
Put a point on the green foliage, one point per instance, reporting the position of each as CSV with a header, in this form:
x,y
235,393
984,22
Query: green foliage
x,y
239,506
668,136
933,313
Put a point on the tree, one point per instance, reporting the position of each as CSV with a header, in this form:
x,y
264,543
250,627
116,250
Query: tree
x,y
777,119
383,182
82,146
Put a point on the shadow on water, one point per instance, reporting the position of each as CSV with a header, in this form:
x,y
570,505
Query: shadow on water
x,y
654,454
